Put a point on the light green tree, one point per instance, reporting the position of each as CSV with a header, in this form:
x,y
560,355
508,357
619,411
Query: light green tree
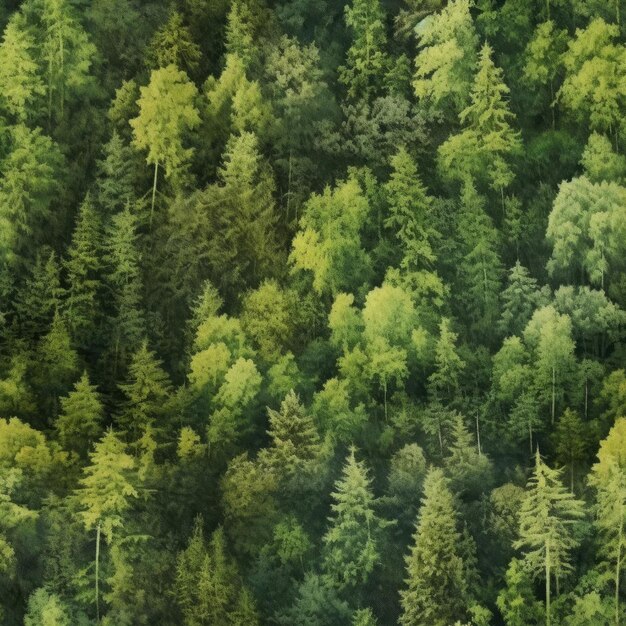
x,y
484,148
21,84
167,112
608,477
546,532
352,543
443,383
446,59
108,485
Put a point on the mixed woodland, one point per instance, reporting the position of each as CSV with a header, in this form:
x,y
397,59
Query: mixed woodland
x,y
312,312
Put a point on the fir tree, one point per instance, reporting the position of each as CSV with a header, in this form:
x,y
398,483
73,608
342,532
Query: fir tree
x,y
116,176
519,299
443,383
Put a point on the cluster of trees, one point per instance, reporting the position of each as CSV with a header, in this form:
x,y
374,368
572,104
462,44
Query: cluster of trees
x,y
312,312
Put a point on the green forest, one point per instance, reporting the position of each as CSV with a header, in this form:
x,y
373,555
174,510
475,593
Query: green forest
x,y
313,312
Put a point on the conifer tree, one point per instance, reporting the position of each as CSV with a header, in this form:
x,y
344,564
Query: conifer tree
x,y
124,279
108,485
115,176
352,543
80,420
31,176
409,207
146,391
571,443
547,518
445,63
519,299
295,440
443,383
40,296
367,60
480,267
57,364
21,85
436,589
482,151
608,477
172,44
68,55
166,113
83,267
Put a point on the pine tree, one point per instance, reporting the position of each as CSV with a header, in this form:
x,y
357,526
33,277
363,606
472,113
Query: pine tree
x,y
436,591
480,267
482,151
105,494
166,113
146,391
443,383
367,60
608,477
547,518
80,420
410,207
83,267
21,86
352,543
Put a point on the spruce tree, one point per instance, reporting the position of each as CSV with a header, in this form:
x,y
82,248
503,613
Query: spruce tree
x,y
436,591
519,299
80,420
83,266
608,477
108,485
40,296
483,150
409,208
146,391
116,176
443,383
546,526
352,543
366,61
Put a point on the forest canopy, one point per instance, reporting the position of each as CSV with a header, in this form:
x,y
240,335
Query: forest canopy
x,y
312,312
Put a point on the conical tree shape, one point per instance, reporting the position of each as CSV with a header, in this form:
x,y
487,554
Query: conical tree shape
x,y
115,176
83,266
351,545
146,391
518,300
409,207
548,513
443,383
80,421
436,589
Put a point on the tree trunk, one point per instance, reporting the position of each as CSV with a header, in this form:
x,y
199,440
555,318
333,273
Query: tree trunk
x,y
547,585
618,566
98,572
553,392
154,188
